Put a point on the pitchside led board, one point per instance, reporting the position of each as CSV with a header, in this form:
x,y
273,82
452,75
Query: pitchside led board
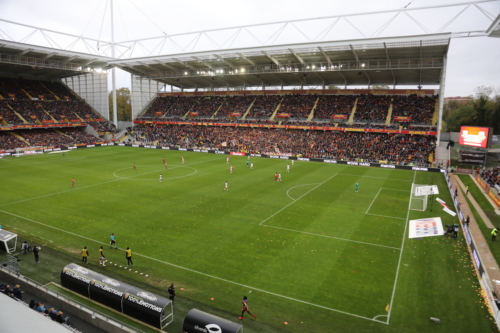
x,y
472,136
134,302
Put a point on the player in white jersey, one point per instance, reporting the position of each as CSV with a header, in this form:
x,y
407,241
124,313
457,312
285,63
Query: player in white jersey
x,y
288,168
226,187
161,178
251,165
279,177
227,160
231,169
293,161
182,159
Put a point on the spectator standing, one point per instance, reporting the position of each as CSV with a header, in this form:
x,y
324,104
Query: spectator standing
x,y
171,292
36,249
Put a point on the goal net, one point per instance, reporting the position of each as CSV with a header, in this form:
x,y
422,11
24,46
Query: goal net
x,y
418,199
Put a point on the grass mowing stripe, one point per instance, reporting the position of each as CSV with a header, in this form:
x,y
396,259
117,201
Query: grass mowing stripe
x,y
315,187
81,188
69,159
390,217
201,273
400,255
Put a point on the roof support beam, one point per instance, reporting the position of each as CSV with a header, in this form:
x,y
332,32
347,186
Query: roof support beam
x,y
166,65
390,65
345,79
354,52
327,57
251,62
299,58
203,62
24,52
273,59
225,61
420,63
47,56
185,64
89,62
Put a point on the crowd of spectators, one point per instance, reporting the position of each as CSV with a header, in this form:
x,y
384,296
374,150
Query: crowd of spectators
x,y
419,108
35,90
235,104
160,104
329,105
29,110
9,87
51,313
372,108
8,115
49,138
9,141
264,106
491,176
59,89
298,106
313,144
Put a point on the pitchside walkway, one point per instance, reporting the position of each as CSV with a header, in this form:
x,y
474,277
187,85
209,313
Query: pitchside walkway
x,y
489,262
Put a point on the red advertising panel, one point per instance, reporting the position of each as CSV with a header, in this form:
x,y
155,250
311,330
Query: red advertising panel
x,y
193,114
235,114
398,118
339,116
474,136
158,113
283,115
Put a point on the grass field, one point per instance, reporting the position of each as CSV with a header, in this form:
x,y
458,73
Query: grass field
x,y
309,250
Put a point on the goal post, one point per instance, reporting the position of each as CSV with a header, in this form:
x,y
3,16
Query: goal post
x,y
419,198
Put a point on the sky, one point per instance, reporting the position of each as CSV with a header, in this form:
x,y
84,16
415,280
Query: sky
x,y
472,62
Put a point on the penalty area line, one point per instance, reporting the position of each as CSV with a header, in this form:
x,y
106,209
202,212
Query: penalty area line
x,y
315,187
201,273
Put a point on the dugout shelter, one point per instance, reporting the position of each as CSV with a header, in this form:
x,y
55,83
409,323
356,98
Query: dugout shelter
x,y
8,241
145,306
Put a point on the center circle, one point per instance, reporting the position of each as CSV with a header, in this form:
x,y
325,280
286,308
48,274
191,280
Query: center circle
x,y
152,172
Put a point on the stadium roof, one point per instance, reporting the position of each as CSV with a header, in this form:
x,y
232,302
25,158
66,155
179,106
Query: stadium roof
x,y
415,60
19,59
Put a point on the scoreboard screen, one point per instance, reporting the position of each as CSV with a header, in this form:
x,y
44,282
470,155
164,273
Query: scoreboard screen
x,y
475,136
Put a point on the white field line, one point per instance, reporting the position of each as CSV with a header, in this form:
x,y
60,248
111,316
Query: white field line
x,y
395,189
344,239
390,217
400,256
65,159
81,188
344,174
200,273
159,170
373,201
291,188
295,199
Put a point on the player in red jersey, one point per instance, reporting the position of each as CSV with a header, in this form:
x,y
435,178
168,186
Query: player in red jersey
x,y
276,177
166,165
244,302
134,167
73,182
164,160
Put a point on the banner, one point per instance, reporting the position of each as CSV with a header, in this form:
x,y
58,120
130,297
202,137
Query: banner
x,y
193,114
158,113
339,116
494,197
66,98
426,227
87,116
75,120
235,114
398,118
99,119
1,117
47,121
62,116
283,115
33,116
40,96
321,128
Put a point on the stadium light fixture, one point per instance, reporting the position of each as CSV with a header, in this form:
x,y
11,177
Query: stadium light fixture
x,y
362,65
243,70
185,73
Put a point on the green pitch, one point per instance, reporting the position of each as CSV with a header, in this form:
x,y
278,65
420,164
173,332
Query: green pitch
x,y
309,250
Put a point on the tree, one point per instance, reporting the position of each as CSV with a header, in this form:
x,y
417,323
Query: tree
x,y
123,105
480,110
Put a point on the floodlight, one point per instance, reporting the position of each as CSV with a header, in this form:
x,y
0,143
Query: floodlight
x,y
243,70
185,73
362,65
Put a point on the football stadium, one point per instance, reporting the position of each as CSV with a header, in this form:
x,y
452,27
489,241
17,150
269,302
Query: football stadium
x,y
287,184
